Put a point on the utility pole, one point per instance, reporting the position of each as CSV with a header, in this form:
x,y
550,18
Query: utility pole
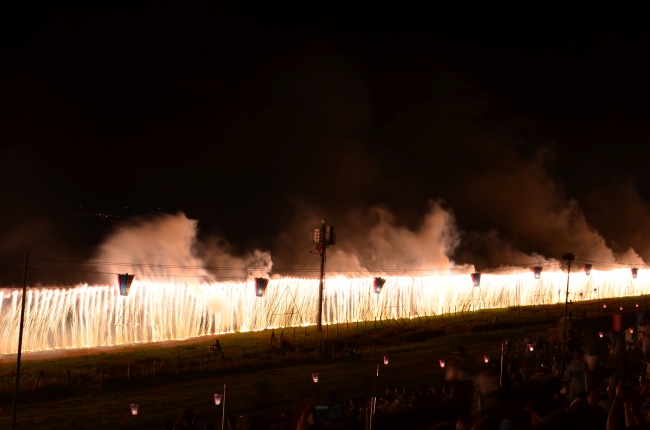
x,y
322,237
20,343
568,258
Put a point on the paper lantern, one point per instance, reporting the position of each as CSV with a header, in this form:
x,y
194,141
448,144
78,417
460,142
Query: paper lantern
x,y
260,286
631,330
378,284
604,305
124,282
620,308
134,408
314,377
442,363
600,334
476,279
385,359
530,347
217,399
486,359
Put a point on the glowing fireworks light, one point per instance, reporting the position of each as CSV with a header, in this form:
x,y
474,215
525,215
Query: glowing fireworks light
x,y
90,316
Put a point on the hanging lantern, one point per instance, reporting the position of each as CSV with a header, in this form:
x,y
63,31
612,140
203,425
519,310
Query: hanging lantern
x,y
124,282
260,286
134,408
385,359
217,399
636,305
476,279
620,308
604,305
378,284
600,334
631,330
486,359
442,363
530,347
314,377
587,268
537,271
635,272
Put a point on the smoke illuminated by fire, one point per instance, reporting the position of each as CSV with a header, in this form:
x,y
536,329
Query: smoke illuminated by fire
x,y
184,289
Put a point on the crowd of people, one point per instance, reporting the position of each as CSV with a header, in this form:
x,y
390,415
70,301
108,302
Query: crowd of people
x,y
603,384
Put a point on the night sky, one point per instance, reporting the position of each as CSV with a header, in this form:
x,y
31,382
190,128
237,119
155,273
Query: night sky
x,y
532,133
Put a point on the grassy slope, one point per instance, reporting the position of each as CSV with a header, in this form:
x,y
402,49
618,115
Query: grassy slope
x,y
412,348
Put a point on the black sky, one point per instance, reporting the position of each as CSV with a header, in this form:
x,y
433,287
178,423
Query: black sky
x,y
242,118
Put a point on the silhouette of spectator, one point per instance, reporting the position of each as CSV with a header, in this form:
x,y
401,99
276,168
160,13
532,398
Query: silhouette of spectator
x,y
232,422
188,418
217,346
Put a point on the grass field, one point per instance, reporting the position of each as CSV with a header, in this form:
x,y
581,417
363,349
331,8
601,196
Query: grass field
x,y
83,399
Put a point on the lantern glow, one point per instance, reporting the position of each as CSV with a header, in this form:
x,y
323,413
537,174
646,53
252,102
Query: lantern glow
x,y
537,271
442,363
600,334
217,399
260,286
385,359
378,284
530,347
314,377
134,408
486,358
587,268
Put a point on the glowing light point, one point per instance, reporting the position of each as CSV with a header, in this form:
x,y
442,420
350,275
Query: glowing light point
x,y
385,359
530,347
631,330
587,268
600,334
486,359
134,408
314,377
217,399
537,271
442,363
604,305
620,308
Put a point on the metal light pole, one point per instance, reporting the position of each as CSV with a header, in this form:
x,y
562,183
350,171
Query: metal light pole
x,y
20,343
568,257
322,237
